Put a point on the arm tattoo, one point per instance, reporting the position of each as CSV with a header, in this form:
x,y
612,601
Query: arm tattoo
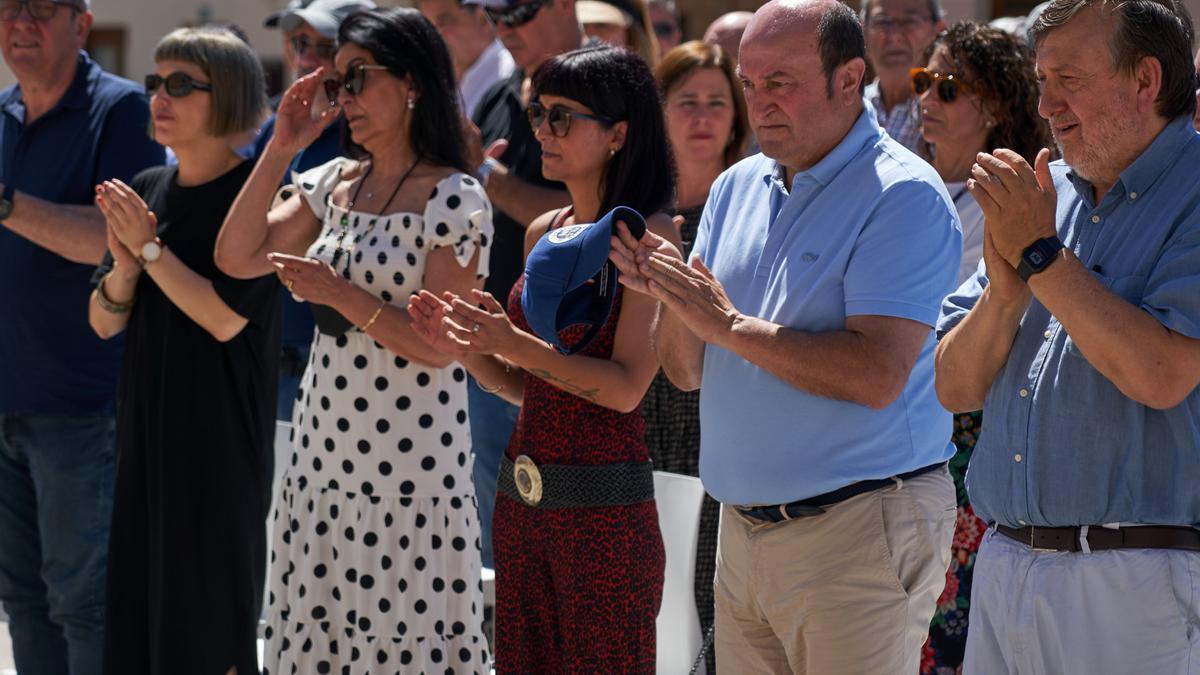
x,y
566,385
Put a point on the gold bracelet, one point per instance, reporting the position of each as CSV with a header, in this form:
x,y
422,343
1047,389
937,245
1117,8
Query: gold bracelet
x,y
371,321
106,303
507,370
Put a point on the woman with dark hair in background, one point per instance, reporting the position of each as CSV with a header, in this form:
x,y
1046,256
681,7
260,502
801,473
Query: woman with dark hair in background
x,y
577,588
196,405
706,124
375,560
977,92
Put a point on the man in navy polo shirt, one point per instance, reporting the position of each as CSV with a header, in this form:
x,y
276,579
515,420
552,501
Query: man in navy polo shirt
x,y
64,127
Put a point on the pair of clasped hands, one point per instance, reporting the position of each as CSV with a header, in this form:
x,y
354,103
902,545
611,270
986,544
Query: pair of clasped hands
x,y
129,223
651,265
1018,203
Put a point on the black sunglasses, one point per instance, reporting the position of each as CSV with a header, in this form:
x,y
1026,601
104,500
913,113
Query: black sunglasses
x,y
324,49
178,84
515,16
352,82
559,118
40,10
948,86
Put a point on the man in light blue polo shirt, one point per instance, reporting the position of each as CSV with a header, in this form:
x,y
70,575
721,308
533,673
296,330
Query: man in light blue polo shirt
x,y
1081,340
812,340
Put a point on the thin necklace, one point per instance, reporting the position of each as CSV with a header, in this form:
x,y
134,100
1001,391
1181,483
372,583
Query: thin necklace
x,y
345,222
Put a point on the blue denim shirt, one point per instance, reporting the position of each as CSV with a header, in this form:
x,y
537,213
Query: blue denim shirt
x,y
51,362
868,230
1060,444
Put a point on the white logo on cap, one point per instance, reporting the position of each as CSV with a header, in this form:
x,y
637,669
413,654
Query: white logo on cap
x,y
564,234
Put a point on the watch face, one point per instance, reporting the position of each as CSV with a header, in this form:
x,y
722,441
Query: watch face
x,y
151,250
1035,258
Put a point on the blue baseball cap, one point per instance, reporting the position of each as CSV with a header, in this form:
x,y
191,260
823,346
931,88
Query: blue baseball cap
x,y
557,293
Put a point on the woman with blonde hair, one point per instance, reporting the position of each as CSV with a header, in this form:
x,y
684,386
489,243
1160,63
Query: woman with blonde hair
x,y
196,399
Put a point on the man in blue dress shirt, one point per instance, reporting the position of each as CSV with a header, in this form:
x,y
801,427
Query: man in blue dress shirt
x,y
1080,338
812,338
64,127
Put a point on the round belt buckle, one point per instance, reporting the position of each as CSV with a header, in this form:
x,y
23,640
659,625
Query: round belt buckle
x,y
528,480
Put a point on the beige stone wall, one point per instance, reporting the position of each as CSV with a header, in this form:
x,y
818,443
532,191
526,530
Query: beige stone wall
x,y
145,21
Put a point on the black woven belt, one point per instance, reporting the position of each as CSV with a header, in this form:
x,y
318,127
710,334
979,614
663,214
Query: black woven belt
x,y
562,486
813,506
1101,538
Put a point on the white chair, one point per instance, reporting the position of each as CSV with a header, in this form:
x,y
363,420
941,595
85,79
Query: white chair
x,y
678,626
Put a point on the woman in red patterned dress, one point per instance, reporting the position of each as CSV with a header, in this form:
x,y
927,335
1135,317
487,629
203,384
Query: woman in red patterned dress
x,y
578,575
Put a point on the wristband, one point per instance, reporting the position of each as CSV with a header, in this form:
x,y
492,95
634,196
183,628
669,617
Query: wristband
x,y
485,170
106,303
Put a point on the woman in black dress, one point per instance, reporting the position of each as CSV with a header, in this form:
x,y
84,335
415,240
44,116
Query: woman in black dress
x,y
196,400
707,127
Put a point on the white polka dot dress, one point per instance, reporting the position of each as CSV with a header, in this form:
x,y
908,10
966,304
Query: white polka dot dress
x,y
375,562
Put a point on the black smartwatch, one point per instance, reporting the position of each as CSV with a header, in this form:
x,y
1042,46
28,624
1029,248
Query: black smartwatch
x,y
6,204
1038,256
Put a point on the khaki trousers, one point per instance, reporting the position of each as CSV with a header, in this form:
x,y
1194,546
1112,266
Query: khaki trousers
x,y
849,591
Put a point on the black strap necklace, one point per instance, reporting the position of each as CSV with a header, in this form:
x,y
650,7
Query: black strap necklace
x,y
345,221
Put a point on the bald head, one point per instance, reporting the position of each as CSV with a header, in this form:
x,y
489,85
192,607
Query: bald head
x,y
726,31
787,19
827,28
789,49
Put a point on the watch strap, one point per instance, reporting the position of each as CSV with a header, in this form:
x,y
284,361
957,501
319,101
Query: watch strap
x,y
1038,256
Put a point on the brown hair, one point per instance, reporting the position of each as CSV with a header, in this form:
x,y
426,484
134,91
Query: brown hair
x,y
239,93
999,66
1160,29
689,57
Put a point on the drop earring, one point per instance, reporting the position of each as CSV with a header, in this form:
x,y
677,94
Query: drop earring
x,y
412,103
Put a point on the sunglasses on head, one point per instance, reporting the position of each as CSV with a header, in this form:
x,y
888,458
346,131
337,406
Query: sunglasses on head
x,y
352,82
517,15
178,84
324,49
39,10
559,118
948,86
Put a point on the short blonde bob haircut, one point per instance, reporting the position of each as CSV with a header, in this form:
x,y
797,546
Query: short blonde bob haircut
x,y
239,92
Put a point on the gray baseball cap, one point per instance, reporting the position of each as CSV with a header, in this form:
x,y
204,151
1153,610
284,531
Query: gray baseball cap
x,y
323,15
272,20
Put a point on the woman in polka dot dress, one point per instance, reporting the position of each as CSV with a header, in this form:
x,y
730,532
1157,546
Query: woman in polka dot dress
x,y
579,571
375,560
